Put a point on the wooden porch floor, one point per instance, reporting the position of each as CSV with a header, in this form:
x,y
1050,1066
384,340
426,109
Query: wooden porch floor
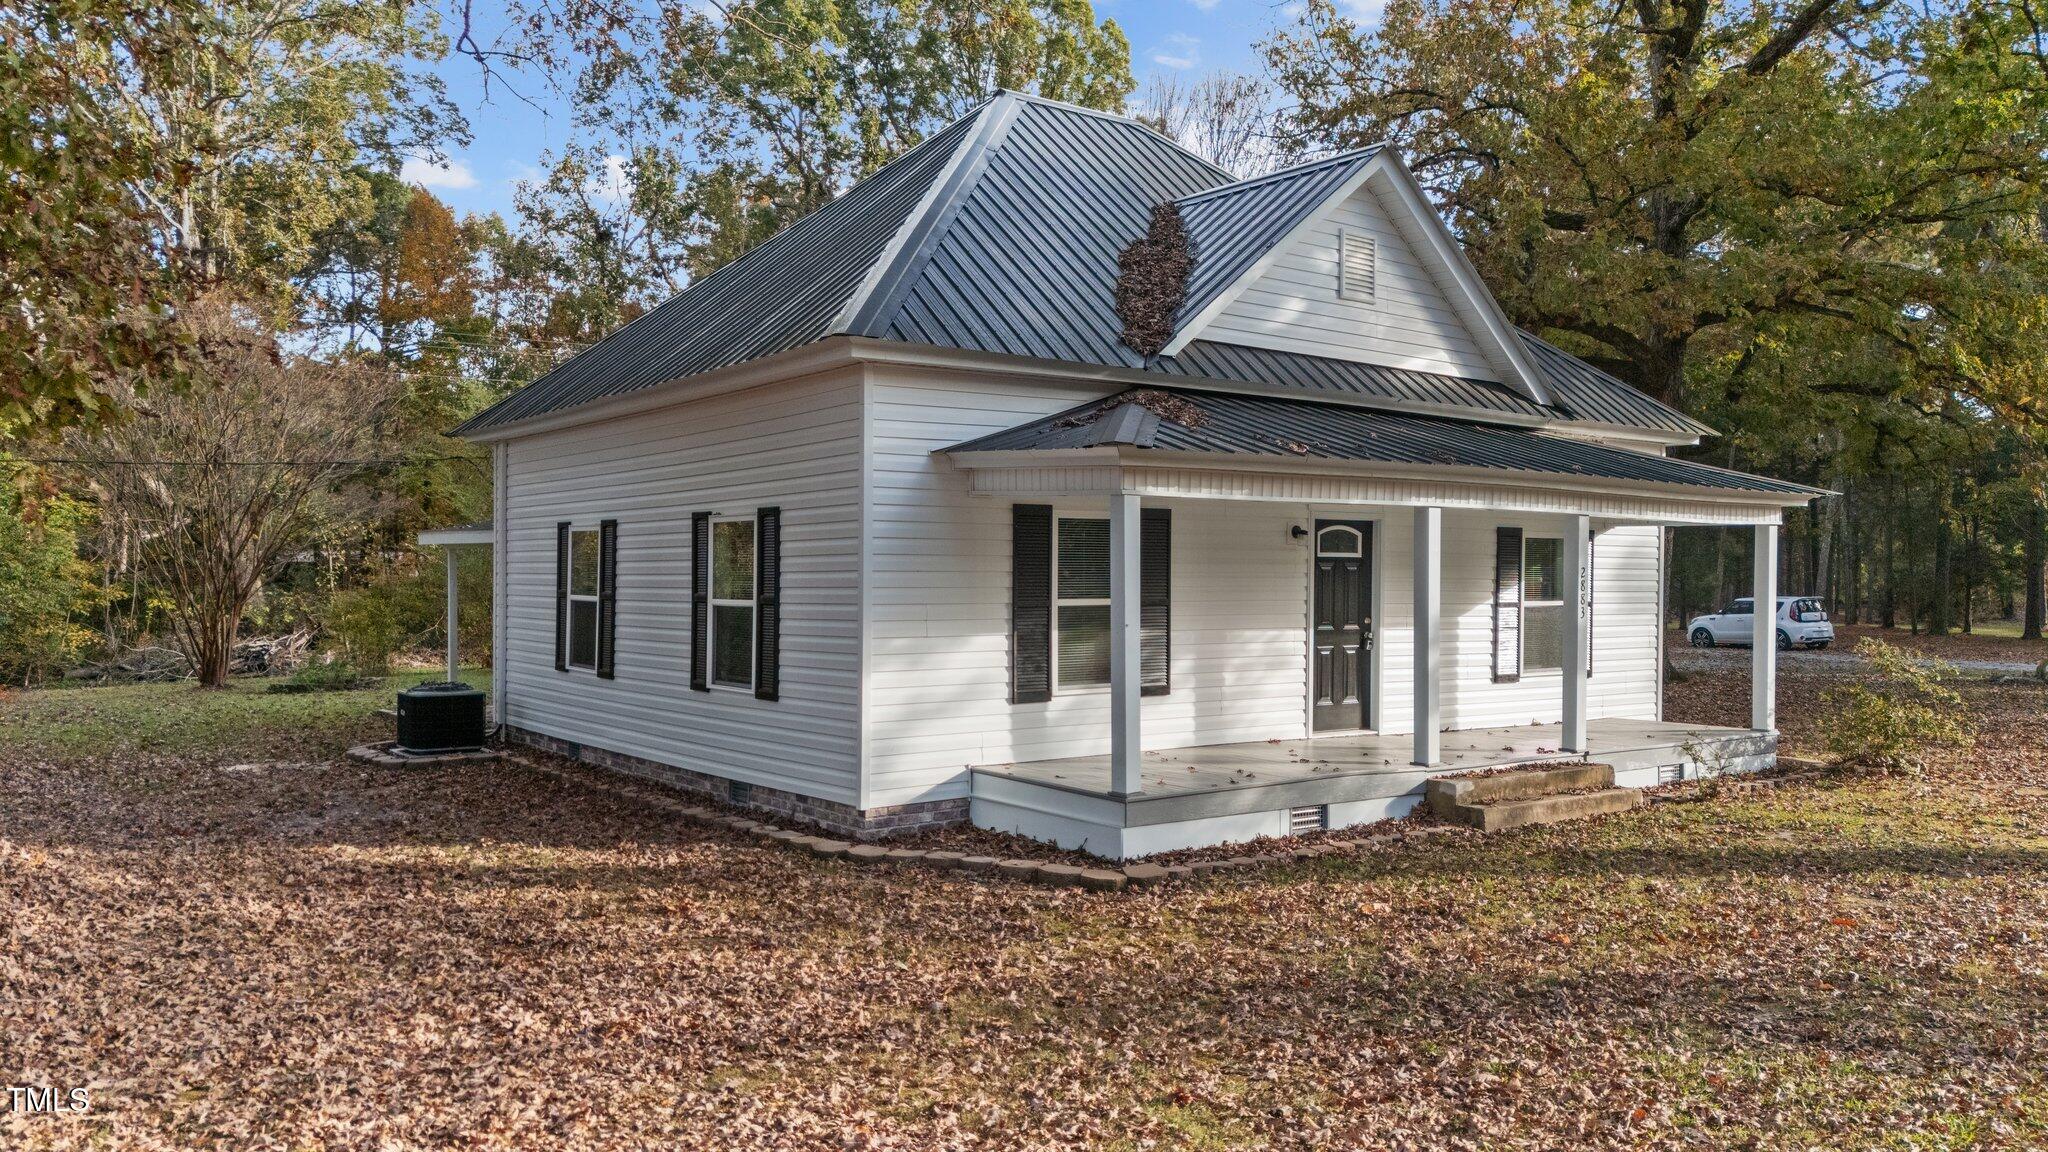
x,y
1226,767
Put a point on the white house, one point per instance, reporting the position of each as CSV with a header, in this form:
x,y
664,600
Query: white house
x,y
885,524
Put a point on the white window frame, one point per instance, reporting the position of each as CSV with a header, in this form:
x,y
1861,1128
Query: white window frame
x,y
1523,631
1357,551
1058,689
715,603
593,599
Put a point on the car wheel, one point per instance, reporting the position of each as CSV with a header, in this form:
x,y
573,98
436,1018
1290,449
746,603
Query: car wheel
x,y
1784,642
1701,638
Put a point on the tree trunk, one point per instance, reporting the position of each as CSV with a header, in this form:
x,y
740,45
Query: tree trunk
x,y
1941,602
2035,548
1891,560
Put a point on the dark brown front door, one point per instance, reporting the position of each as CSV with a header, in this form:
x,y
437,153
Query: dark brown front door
x,y
1343,625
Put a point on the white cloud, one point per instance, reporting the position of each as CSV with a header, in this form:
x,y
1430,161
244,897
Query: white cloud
x,y
613,183
1365,13
1180,51
451,176
1205,5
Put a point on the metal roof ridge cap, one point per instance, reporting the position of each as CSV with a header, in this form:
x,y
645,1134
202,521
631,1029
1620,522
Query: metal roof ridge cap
x,y
914,244
1249,182
1119,118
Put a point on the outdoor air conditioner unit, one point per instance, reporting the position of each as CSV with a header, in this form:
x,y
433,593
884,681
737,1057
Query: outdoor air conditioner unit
x,y
445,717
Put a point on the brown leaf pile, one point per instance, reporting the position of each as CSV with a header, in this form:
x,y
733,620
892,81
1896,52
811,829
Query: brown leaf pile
x,y
1152,280
307,954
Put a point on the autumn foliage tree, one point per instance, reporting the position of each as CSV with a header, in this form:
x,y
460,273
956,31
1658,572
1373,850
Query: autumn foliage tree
x,y
224,480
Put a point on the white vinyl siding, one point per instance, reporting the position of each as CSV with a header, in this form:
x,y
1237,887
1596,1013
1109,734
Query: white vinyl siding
x,y
938,607
1303,302
795,445
937,611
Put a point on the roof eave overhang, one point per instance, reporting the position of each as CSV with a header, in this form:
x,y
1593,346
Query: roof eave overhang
x,y
824,355
1129,457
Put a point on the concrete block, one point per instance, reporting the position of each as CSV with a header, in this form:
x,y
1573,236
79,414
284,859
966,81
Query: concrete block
x,y
1445,793
1145,875
1102,879
1545,809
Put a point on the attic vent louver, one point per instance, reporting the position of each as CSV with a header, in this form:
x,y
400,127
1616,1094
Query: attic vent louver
x,y
1358,266
1152,280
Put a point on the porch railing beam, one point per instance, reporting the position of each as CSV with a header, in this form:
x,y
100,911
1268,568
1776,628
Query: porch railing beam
x,y
1763,642
1124,735
1578,557
1429,602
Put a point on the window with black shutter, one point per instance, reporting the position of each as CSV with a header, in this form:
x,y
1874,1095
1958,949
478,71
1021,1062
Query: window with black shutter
x,y
1060,602
607,594
585,556
562,596
768,603
700,597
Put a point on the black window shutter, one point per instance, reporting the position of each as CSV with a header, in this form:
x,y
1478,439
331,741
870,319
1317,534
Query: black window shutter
x,y
700,595
1507,605
607,594
1591,536
1030,603
767,603
561,596
1155,601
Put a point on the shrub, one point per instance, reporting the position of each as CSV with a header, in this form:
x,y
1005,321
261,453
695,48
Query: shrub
x,y
1904,709
333,676
363,625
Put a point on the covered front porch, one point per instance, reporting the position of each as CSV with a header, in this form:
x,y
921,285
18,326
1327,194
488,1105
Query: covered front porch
x,y
1234,792
1391,478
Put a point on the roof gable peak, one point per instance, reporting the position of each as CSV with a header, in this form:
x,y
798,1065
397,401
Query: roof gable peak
x,y
1294,201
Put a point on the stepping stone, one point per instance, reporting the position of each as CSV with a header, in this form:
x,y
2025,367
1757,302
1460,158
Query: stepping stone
x,y
1059,874
867,853
1145,875
1018,869
1102,879
901,854
945,858
978,863
830,847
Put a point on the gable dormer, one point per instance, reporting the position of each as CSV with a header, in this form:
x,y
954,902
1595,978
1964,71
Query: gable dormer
x,y
1344,259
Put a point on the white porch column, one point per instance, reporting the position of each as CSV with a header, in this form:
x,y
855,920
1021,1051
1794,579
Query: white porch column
x,y
1578,556
1124,740
1763,652
1429,602
448,554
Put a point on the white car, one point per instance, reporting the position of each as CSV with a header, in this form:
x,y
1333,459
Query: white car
x,y
1802,623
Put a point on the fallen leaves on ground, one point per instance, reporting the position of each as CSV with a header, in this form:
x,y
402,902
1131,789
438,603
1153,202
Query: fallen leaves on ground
x,y
260,946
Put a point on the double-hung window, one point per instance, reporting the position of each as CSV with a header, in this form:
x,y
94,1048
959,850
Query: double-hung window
x,y
584,587
734,600
1543,605
1080,640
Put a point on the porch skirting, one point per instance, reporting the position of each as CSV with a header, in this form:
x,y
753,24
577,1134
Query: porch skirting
x,y
1195,797
843,819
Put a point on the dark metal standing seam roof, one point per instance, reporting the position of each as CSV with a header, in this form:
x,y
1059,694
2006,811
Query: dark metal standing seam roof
x,y
1016,254
787,292
1305,430
1232,226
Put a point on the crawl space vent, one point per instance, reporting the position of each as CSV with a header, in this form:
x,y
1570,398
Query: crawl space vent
x,y
739,792
1308,818
1670,773
1358,266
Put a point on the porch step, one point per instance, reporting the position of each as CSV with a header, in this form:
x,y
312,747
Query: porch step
x,y
1529,796
1543,809
1519,784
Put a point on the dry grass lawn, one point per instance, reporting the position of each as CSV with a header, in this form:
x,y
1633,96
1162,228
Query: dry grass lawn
x,y
236,941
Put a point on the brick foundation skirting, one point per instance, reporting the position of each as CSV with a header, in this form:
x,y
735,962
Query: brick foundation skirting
x,y
845,819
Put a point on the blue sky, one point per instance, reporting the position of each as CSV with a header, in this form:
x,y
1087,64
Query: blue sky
x,y
1188,36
